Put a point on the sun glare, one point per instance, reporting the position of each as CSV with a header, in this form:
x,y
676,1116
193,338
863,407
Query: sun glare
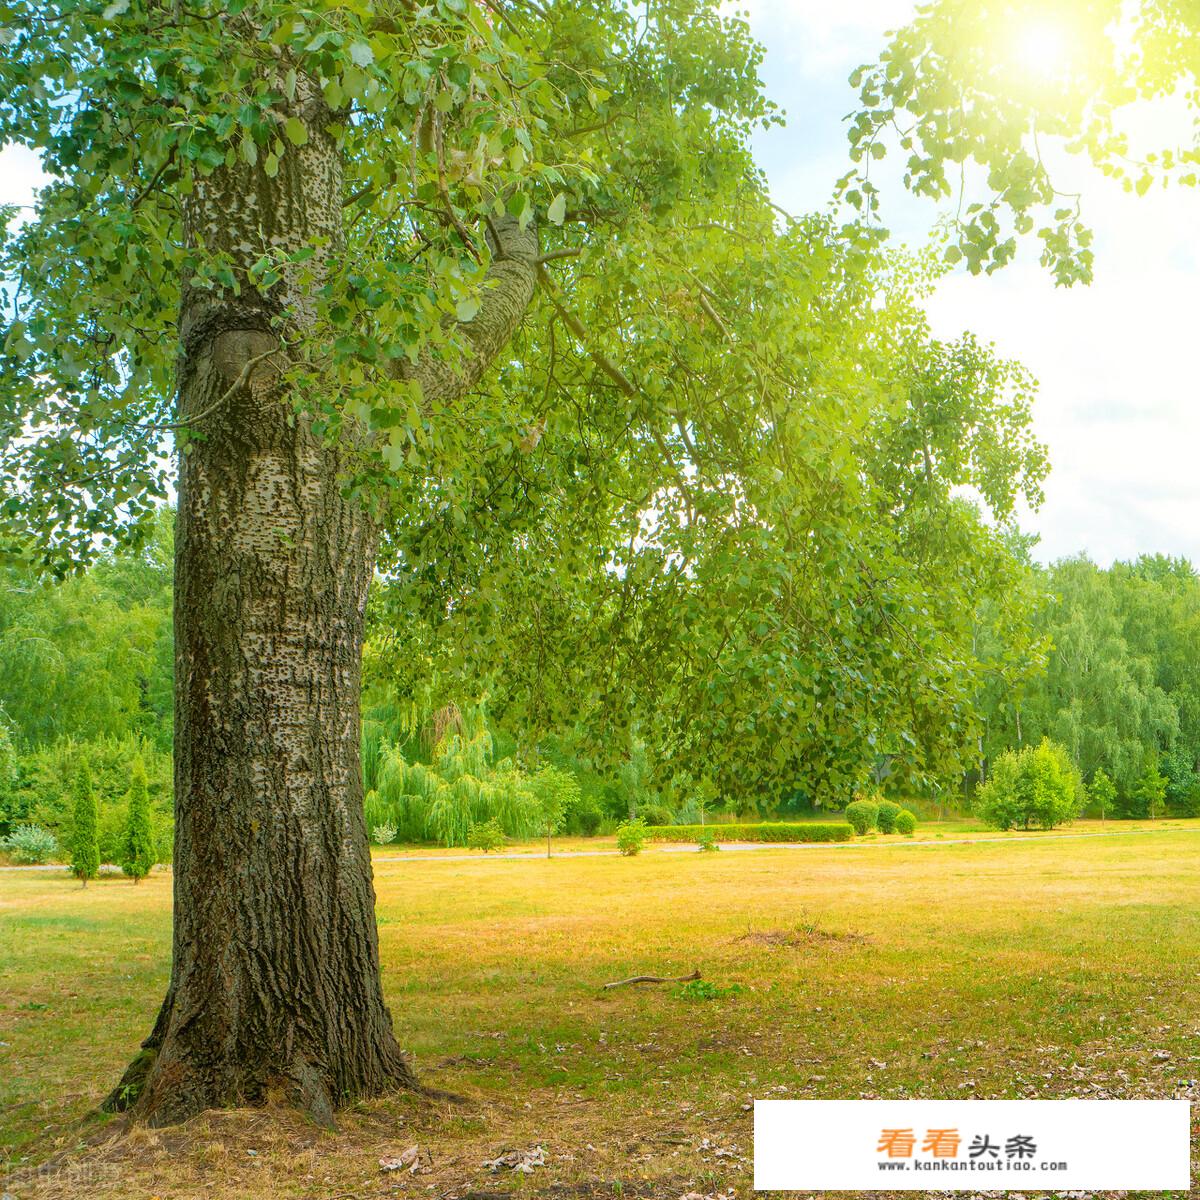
x,y
1042,50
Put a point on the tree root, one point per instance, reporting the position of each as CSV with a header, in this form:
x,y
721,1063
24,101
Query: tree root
x,y
125,1095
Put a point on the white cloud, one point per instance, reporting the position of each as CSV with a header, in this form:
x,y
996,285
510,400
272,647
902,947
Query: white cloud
x,y
1119,386
820,35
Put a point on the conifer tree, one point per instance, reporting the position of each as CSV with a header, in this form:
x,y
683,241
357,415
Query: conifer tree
x,y
85,848
138,842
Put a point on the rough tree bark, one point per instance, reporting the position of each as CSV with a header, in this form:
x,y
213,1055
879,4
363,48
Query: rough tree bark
x,y
275,987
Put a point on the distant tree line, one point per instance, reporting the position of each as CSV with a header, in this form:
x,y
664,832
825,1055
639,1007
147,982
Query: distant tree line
x,y
1120,688
1104,662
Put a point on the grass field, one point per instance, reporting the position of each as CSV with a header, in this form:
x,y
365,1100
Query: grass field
x,y
1033,966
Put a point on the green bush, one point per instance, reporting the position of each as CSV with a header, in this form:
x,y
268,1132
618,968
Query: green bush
x,y
631,836
585,818
1189,806
30,844
1036,786
43,794
766,831
889,810
138,858
1150,791
8,780
905,822
655,814
85,849
486,836
862,815
1179,770
707,840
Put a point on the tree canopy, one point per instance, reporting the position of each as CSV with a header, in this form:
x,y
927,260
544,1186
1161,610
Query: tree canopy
x,y
602,126
710,492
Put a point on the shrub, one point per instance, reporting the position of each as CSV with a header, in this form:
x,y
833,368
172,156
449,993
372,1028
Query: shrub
x,y
8,779
862,815
707,840
383,834
485,836
655,814
585,818
1179,768
889,810
766,831
138,857
85,849
45,790
1036,786
30,844
1189,806
631,836
905,822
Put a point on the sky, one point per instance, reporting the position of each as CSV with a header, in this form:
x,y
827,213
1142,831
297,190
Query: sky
x,y
1116,361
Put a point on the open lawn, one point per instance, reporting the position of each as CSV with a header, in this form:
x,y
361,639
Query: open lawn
x,y
1036,966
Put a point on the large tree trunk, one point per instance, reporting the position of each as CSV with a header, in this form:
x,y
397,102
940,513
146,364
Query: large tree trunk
x,y
275,981
275,986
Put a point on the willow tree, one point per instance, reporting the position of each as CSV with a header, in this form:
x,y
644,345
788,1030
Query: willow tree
x,y
283,251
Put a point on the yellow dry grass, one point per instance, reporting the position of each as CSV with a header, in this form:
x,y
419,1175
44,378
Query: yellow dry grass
x,y
1020,967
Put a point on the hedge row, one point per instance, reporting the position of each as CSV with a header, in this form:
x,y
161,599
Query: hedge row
x,y
776,831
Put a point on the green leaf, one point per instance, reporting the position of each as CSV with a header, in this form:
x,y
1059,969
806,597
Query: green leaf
x,y
466,308
296,131
557,210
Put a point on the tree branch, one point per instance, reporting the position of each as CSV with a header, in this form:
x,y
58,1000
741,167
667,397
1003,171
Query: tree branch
x,y
507,290
614,372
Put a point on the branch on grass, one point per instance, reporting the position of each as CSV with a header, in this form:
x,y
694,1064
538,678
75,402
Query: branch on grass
x,y
655,979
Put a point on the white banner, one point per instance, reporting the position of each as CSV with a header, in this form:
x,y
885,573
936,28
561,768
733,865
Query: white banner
x,y
972,1145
